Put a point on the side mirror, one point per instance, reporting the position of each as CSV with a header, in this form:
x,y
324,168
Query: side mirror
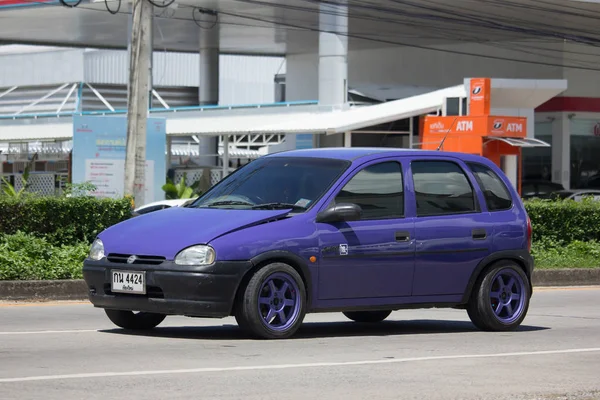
x,y
340,212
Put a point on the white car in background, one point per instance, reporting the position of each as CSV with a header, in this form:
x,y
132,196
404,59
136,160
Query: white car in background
x,y
577,194
160,205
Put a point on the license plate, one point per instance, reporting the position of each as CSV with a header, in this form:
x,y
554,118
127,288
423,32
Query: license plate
x,y
128,282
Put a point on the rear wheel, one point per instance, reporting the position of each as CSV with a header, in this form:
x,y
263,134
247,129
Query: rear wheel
x,y
500,300
273,304
134,321
367,316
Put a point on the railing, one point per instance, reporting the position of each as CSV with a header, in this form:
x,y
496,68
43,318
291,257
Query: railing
x,y
159,110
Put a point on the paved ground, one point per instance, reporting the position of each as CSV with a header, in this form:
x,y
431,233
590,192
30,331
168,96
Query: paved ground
x,y
71,351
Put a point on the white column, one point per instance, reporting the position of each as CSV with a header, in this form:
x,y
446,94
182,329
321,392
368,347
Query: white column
x,y
561,150
333,61
511,169
411,129
333,54
347,139
168,155
225,156
208,90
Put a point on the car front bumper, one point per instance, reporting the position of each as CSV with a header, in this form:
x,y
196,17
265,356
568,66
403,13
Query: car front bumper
x,y
171,289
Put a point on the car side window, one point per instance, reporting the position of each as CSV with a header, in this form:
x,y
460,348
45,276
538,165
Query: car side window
x,y
378,189
442,188
497,196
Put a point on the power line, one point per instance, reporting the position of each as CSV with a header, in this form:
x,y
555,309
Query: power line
x,y
410,45
394,42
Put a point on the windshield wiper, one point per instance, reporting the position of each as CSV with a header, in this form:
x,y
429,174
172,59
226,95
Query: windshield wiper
x,y
275,206
229,203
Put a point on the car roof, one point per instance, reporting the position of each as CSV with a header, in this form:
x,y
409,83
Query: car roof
x,y
354,153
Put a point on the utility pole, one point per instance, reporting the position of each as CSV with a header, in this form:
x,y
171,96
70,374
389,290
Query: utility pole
x,y
138,94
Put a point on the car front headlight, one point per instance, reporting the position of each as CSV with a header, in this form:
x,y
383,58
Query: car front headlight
x,y
196,255
97,250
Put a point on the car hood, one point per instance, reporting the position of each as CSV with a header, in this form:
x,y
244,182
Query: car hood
x,y
164,233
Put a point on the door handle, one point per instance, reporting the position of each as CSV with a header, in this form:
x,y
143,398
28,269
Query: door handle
x,y
402,236
479,234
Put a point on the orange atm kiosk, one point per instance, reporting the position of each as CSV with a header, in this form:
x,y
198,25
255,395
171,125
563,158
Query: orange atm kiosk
x,y
479,132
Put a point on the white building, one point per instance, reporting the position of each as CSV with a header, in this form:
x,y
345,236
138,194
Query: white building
x,y
380,51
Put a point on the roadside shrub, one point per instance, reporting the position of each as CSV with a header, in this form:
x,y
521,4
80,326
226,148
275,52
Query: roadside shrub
x,y
564,222
27,257
62,220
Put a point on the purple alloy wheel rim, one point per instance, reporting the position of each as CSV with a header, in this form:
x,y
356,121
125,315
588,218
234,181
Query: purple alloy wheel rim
x,y
279,302
507,296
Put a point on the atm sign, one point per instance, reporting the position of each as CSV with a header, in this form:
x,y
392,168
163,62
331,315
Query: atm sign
x,y
503,126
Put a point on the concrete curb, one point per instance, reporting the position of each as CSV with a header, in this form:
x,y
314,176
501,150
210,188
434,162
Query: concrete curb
x,y
565,277
77,290
43,290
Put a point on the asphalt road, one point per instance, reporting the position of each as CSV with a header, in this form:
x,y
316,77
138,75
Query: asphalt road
x,y
71,351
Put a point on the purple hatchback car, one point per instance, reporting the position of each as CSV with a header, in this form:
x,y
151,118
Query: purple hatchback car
x,y
362,231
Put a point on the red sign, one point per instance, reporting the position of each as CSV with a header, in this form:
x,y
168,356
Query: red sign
x,y
480,92
17,3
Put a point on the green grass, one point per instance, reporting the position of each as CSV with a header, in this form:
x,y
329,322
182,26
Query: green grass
x,y
573,255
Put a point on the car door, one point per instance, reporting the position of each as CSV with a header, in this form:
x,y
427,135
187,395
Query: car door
x,y
372,257
452,233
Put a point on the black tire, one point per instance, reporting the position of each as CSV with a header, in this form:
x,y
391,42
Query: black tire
x,y
480,306
247,313
133,321
368,316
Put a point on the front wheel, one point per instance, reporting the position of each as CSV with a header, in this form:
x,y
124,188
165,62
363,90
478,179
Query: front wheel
x,y
500,300
273,303
134,321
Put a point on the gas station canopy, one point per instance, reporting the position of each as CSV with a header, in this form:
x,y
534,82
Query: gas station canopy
x,y
281,27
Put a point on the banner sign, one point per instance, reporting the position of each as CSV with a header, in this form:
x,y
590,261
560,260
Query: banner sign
x,y
99,155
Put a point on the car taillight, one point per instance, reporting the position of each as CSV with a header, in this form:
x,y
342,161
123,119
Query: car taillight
x,y
529,234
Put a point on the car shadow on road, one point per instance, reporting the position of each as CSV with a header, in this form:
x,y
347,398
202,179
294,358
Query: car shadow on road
x,y
313,330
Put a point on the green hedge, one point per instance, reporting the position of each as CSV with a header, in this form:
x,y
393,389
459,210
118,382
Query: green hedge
x,y
564,222
48,238
27,257
62,220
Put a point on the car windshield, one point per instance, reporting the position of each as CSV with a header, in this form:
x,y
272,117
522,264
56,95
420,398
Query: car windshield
x,y
275,183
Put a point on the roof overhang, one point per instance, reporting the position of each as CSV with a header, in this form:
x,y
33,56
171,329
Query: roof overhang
x,y
523,93
37,131
519,142
330,122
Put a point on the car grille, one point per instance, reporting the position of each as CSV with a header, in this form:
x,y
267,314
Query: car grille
x,y
122,259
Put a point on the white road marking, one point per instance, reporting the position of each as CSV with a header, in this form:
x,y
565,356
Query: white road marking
x,y
47,332
289,366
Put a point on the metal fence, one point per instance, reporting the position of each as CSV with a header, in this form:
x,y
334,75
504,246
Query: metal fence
x,y
42,183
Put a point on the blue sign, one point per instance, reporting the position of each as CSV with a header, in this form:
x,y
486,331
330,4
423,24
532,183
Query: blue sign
x,y
99,155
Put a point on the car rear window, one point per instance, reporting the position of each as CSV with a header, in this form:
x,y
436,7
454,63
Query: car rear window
x,y
497,196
